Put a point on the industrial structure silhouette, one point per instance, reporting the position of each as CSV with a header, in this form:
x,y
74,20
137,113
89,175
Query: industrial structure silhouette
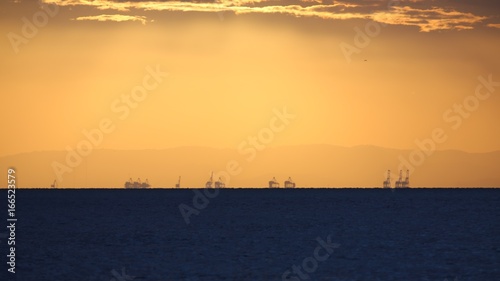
x,y
400,183
137,184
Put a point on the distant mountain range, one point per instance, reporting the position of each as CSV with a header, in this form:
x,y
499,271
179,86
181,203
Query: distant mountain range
x,y
308,165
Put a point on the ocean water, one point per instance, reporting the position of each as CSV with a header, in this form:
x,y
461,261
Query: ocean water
x,y
245,234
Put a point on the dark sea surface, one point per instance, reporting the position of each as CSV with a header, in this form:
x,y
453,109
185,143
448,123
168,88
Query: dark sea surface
x,y
245,234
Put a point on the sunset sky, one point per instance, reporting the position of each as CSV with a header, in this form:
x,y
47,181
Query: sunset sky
x,y
382,73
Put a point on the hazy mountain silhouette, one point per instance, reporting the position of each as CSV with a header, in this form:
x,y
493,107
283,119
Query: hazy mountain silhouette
x,y
308,165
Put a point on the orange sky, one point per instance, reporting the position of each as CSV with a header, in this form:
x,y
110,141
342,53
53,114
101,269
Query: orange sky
x,y
230,63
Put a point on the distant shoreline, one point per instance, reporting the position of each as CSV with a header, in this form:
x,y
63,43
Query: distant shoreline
x,y
250,188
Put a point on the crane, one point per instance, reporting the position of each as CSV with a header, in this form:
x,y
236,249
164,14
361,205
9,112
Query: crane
x,y
289,183
178,184
209,183
274,183
406,183
220,183
145,184
129,183
137,184
387,182
399,182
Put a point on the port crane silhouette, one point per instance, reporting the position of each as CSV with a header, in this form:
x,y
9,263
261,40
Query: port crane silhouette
x,y
210,182
289,183
274,183
387,182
